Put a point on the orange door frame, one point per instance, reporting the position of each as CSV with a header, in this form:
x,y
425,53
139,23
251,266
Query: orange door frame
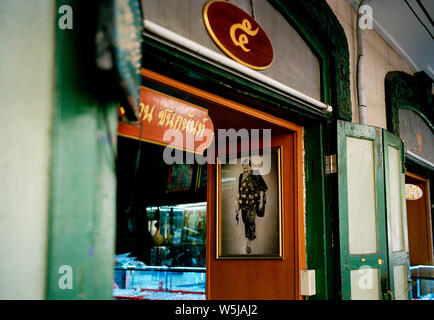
x,y
296,130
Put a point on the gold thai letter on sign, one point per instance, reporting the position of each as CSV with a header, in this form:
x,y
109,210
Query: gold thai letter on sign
x,y
168,121
237,34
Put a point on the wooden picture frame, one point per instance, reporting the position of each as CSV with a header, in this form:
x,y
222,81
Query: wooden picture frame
x,y
249,208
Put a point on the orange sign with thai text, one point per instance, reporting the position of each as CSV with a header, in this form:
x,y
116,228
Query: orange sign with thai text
x,y
237,34
170,122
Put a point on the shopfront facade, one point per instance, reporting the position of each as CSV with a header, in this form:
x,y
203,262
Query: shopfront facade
x,y
335,199
236,100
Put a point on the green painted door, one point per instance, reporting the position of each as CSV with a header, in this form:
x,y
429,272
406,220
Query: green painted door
x,y
362,220
399,260
372,219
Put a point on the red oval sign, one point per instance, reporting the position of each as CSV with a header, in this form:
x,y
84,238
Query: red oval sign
x,y
238,35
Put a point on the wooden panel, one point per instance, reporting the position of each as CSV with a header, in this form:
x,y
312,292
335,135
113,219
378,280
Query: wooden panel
x,y
257,279
362,210
419,225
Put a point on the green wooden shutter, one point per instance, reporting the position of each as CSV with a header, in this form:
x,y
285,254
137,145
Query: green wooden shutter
x,y
372,213
399,260
362,221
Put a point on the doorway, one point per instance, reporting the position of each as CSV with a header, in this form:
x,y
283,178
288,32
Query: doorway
x,y
419,222
261,277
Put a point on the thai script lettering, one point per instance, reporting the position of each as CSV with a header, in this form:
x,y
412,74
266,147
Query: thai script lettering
x,y
170,119
245,26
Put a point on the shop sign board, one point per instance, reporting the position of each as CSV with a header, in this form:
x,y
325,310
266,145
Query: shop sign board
x,y
413,192
238,35
165,120
127,33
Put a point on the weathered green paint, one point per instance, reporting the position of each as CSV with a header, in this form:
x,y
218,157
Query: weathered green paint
x,y
83,179
399,257
351,261
382,140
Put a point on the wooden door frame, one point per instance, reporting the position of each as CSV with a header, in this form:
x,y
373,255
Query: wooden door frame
x,y
300,237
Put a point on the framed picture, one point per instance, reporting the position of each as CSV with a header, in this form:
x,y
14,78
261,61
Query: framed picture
x,y
249,207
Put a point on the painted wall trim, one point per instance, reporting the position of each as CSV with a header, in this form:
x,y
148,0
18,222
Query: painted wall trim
x,y
82,208
223,60
419,158
404,91
420,114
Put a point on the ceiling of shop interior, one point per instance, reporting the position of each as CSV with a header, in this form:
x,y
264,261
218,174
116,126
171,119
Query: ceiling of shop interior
x,y
407,32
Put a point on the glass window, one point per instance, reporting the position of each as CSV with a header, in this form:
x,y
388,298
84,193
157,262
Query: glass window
x,y
161,226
